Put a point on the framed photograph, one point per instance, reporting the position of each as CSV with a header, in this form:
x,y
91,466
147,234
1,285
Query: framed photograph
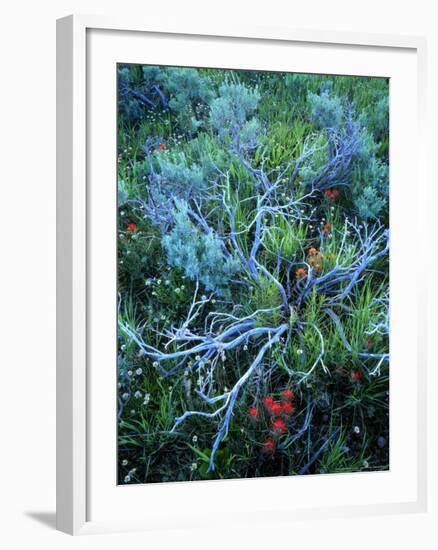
x,y
240,334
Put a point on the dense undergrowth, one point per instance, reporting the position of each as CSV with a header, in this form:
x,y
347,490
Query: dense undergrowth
x,y
252,275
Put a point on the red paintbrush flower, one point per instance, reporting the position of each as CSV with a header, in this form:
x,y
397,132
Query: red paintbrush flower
x,y
268,401
276,409
355,376
253,413
287,394
161,147
131,227
269,446
287,408
279,426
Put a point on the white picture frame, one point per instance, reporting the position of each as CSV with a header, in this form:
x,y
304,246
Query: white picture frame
x,y
75,217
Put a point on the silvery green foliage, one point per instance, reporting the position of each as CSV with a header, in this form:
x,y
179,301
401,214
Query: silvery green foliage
x,y
190,94
369,186
361,170
378,118
199,255
188,88
230,113
152,75
182,179
314,164
249,134
129,106
326,110
175,180
299,83
122,193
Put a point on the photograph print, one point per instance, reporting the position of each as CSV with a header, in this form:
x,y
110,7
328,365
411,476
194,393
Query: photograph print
x,y
253,274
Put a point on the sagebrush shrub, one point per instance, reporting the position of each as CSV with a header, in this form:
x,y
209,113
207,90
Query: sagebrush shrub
x,y
199,255
361,172
181,179
326,110
230,113
369,186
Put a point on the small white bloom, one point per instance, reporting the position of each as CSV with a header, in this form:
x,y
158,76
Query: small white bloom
x,y
155,364
146,399
124,462
203,297
137,394
129,372
195,439
177,290
356,430
125,396
193,466
300,351
170,388
138,371
127,479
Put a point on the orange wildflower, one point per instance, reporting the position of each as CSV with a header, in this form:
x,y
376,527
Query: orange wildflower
x,y
331,194
327,228
301,273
